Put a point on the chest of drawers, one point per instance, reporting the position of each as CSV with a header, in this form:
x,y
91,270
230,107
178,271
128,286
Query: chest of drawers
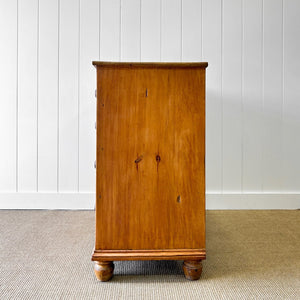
x,y
150,166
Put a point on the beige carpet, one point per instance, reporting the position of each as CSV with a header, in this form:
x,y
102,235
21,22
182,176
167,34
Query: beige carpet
x,y
251,255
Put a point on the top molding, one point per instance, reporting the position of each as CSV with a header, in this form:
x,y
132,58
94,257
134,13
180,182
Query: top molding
x,y
150,64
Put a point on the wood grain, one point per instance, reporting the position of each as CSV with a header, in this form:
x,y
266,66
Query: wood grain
x,y
104,270
150,156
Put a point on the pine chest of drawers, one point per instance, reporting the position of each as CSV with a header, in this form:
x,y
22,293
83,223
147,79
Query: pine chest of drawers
x,y
150,166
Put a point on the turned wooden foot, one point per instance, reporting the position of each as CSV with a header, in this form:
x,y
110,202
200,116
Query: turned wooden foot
x,y
104,270
192,269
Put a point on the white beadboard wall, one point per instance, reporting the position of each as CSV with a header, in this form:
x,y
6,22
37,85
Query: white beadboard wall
x,y
47,103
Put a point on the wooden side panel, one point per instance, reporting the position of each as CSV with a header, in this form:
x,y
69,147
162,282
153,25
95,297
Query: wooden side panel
x,y
150,159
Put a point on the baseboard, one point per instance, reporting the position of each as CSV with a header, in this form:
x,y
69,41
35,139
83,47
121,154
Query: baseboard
x,y
77,201
86,200
253,201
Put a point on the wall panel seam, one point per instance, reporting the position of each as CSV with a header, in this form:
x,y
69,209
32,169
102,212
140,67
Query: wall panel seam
x,y
160,31
99,27
283,73
242,92
201,16
181,30
37,95
140,54
78,95
282,93
120,32
17,103
221,89
263,91
58,93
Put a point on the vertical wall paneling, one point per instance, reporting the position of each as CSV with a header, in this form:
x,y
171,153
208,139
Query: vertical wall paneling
x,y
291,83
47,103
150,30
232,95
212,53
89,51
27,95
252,96
272,95
131,30
8,99
110,30
68,95
47,95
192,30
171,47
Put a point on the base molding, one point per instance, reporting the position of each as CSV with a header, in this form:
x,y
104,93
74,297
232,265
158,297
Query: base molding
x,y
253,200
47,200
164,254
86,200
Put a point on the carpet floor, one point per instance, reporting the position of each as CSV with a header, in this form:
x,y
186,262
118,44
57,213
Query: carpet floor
x,y
250,255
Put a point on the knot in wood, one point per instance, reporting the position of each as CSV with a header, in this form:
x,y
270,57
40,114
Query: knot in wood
x,y
138,159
